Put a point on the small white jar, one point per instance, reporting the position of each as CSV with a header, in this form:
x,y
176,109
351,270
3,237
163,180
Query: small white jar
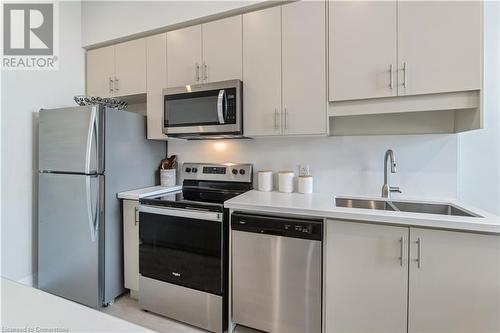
x,y
167,177
285,181
305,184
265,179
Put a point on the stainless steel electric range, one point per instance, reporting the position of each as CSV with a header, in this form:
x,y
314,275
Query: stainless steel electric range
x,y
183,250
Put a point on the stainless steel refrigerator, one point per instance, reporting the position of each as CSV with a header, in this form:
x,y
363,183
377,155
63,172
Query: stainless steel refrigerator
x,y
87,155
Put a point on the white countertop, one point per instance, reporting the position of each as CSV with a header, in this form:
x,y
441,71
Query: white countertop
x,y
30,308
323,205
147,192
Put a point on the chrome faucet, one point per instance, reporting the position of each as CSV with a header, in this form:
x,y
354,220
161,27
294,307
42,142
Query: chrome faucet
x,y
386,189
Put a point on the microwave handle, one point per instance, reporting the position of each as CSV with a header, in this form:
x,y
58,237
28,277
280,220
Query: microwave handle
x,y
221,100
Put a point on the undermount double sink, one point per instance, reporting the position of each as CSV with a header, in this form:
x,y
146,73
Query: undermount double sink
x,y
404,206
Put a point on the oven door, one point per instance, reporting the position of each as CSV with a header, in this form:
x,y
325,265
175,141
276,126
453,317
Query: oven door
x,y
212,108
182,246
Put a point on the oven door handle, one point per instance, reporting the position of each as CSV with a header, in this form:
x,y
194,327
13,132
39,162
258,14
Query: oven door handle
x,y
186,213
221,100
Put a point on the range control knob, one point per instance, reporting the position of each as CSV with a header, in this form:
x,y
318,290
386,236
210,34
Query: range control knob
x,y
242,172
188,170
195,170
235,172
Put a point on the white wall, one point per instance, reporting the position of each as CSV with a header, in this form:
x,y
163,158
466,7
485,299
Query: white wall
x,y
23,94
479,151
108,20
427,164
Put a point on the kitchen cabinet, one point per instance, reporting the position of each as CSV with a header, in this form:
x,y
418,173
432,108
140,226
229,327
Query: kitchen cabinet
x,y
304,68
117,70
222,49
130,67
440,45
363,53
284,64
427,280
454,282
401,48
262,72
156,67
184,56
100,71
205,53
366,277
131,245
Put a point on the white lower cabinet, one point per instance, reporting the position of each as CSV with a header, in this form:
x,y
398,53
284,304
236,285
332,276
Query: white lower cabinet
x,y
366,274
454,282
381,278
131,245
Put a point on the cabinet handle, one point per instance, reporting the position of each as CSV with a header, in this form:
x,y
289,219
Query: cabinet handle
x,y
110,84
275,118
391,82
136,215
401,245
419,252
285,122
205,71
405,74
197,70
116,84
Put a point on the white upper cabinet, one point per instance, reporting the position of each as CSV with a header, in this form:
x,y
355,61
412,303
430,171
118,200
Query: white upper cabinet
x,y
454,282
222,53
440,43
130,67
100,71
366,278
184,56
262,72
117,70
363,54
304,68
156,47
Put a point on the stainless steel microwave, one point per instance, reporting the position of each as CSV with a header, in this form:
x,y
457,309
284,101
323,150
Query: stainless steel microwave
x,y
207,110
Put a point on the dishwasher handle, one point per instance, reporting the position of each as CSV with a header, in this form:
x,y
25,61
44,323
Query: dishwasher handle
x,y
278,226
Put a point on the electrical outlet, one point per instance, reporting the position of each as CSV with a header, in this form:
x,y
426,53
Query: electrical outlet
x,y
304,170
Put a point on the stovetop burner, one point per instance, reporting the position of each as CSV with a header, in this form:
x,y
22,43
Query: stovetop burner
x,y
206,186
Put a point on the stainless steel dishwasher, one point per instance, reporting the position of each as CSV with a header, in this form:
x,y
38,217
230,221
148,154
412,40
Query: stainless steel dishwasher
x,y
276,273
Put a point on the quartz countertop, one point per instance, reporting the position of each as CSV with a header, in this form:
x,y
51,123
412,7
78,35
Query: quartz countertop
x,y
147,192
323,205
24,307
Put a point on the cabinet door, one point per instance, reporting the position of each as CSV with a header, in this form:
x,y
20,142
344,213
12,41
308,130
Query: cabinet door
x,y
131,244
262,72
100,71
156,49
304,67
440,42
222,49
130,65
366,277
362,45
184,56
455,287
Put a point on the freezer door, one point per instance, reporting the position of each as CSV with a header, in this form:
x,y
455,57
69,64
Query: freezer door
x,y
70,256
70,140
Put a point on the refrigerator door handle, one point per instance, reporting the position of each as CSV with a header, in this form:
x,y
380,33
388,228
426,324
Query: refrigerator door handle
x,y
90,137
90,213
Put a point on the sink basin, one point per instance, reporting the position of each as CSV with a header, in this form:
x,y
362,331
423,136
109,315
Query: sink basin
x,y
405,206
364,203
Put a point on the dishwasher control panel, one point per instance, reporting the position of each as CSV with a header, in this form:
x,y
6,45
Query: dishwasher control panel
x,y
278,226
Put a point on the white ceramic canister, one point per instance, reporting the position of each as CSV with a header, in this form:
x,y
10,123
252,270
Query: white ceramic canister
x,y
265,179
285,181
167,177
305,184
